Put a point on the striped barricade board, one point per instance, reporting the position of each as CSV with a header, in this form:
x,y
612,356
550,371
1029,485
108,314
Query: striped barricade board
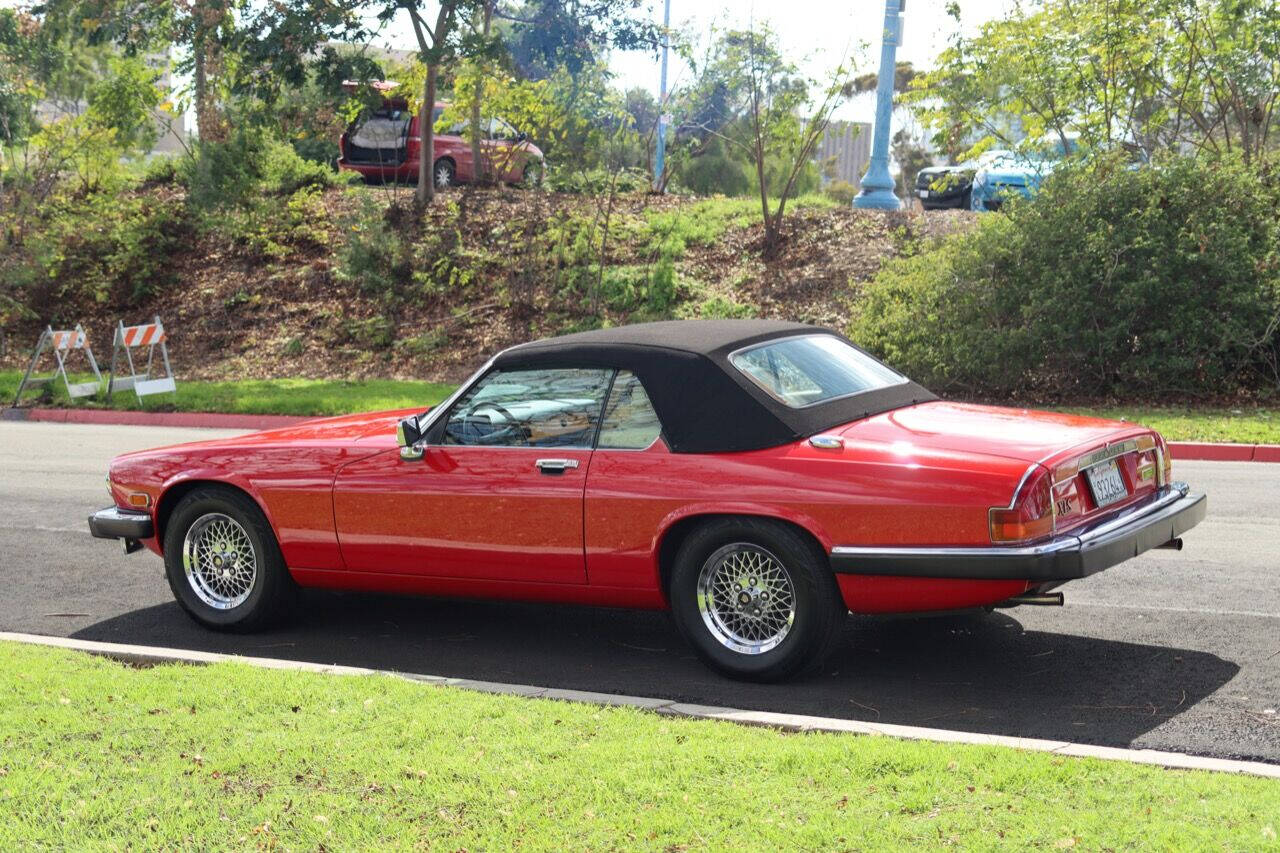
x,y
129,338
62,343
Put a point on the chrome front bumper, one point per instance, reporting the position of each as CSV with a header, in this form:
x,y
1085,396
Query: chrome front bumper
x,y
1075,555
116,523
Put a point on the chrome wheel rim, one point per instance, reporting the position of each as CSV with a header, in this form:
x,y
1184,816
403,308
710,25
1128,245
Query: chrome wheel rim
x,y
219,560
443,177
746,598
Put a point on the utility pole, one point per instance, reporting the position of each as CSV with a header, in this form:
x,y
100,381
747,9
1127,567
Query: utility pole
x,y
659,164
877,183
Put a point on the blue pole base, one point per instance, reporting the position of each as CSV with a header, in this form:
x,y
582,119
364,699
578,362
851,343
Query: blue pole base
x,y
877,198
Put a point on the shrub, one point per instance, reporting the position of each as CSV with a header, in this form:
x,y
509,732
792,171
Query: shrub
x,y
105,247
596,181
246,167
1143,281
841,192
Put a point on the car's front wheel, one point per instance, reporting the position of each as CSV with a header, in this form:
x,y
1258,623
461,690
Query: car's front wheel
x,y
223,562
531,176
755,599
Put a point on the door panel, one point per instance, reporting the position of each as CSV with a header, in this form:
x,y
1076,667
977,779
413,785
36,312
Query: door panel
x,y
465,512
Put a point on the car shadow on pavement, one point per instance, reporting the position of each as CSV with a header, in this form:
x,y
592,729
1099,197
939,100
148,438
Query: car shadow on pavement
x,y
977,673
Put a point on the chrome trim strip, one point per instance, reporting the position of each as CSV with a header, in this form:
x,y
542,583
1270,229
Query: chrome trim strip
x,y
1105,454
1069,541
436,412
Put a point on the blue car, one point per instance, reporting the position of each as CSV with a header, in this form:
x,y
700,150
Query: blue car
x,y
1017,173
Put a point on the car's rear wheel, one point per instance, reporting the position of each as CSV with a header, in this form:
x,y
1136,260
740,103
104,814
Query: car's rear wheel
x,y
223,562
755,599
445,174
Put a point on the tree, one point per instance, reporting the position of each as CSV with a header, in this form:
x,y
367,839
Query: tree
x,y
544,35
230,47
758,102
1139,74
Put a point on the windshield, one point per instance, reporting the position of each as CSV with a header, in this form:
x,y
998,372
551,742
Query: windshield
x,y
811,369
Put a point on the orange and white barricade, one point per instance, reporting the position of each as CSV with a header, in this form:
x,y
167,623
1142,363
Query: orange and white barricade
x,y
61,343
127,339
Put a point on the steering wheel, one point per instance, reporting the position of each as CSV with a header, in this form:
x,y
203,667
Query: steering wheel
x,y
498,436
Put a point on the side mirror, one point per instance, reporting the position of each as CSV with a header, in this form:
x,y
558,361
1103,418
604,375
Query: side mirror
x,y
521,136
409,438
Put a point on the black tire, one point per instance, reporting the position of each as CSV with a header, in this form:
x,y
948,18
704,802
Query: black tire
x,y
444,173
272,591
531,176
819,611
966,199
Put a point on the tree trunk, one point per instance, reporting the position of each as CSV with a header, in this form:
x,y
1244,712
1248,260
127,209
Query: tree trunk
x,y
205,57
480,168
483,168
427,148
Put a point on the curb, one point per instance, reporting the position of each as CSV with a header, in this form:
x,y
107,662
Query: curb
x,y
767,719
1210,452
211,420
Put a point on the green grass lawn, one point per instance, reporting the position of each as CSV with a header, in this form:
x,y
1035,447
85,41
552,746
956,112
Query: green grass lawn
x,y
255,396
95,754
1255,425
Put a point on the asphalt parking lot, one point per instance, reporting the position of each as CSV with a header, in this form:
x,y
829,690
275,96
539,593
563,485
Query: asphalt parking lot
x,y
1174,651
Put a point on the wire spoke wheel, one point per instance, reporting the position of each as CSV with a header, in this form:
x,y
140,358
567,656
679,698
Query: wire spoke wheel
x,y
219,560
747,598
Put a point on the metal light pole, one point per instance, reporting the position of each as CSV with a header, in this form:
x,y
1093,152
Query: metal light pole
x,y
877,183
663,118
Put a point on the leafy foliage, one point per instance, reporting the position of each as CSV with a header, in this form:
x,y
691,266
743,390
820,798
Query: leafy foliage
x,y
108,248
1145,281
1147,74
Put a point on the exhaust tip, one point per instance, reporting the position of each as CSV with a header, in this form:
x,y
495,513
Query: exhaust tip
x,y
1172,544
1039,599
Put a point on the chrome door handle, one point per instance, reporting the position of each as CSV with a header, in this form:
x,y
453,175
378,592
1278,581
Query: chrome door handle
x,y
555,466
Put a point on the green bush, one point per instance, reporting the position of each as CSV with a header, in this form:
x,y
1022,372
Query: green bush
x,y
841,192
1137,281
247,167
596,181
105,247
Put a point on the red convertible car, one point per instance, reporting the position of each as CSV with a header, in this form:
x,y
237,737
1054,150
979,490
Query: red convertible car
x,y
761,479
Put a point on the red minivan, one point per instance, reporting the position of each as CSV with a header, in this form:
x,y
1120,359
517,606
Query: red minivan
x,y
384,144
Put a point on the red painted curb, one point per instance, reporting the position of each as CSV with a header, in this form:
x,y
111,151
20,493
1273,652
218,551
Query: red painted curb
x,y
210,420
1266,453
1207,451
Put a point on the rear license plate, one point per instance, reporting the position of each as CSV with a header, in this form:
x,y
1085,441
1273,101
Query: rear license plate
x,y
1106,483
923,193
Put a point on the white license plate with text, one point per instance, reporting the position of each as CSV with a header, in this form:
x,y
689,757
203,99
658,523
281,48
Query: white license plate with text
x,y
1106,483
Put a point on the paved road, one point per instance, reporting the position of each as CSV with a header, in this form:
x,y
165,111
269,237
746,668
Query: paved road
x,y
1176,651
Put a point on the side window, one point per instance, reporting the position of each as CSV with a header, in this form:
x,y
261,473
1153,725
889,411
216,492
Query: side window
x,y
630,423
530,408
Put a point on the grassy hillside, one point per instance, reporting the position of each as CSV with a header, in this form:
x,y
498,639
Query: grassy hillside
x,y
341,282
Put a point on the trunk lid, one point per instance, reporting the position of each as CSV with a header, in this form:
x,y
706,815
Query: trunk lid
x,y
1087,460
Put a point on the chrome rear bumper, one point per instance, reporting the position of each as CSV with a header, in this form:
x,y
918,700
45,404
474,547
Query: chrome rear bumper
x,y
1075,555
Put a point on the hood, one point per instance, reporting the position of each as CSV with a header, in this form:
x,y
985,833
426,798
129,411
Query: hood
x,y
1024,435
370,430
367,428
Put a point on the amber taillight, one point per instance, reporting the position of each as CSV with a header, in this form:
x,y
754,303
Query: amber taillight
x,y
1030,515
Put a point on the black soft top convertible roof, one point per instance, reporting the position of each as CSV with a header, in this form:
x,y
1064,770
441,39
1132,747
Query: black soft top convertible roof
x,y
705,404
